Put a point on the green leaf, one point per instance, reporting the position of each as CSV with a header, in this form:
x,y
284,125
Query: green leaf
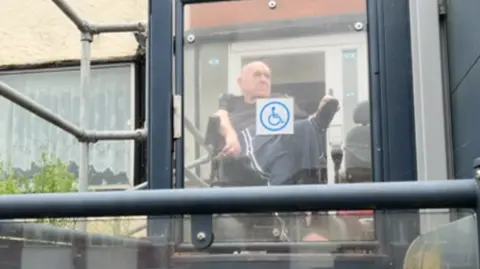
x,y
53,177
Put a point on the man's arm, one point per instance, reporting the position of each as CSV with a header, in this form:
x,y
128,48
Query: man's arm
x,y
224,106
226,127
232,146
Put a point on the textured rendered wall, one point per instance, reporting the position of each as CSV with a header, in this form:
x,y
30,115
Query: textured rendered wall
x,y
36,31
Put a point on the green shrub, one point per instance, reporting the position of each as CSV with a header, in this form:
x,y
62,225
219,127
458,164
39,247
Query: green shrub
x,y
53,177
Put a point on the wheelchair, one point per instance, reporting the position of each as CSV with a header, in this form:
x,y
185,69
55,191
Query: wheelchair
x,y
357,163
236,172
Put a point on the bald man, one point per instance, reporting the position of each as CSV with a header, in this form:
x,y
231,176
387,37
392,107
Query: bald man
x,y
277,158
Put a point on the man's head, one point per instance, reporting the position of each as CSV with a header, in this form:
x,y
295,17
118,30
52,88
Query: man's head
x,y
254,81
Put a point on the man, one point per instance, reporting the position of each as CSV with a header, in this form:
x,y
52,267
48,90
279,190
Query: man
x,y
276,158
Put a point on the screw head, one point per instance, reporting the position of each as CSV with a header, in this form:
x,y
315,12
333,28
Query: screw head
x,y
201,236
276,232
190,38
358,26
272,4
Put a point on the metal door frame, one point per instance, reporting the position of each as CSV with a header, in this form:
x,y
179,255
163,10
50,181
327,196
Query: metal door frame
x,y
391,99
390,75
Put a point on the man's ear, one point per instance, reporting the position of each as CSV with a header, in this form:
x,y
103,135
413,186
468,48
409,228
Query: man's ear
x,y
239,82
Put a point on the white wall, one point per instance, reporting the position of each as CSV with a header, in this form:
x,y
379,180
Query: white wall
x,y
36,31
428,92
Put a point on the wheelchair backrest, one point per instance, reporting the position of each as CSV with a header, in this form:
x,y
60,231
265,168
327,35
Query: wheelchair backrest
x,y
357,142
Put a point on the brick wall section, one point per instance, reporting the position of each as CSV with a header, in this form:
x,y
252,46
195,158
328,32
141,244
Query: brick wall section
x,y
231,13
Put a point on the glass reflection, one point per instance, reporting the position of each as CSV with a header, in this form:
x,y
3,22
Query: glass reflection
x,y
50,243
310,54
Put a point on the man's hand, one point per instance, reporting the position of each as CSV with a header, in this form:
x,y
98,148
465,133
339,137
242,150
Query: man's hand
x,y
325,100
232,145
327,108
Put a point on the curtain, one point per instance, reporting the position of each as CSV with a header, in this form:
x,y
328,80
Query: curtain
x,y
24,136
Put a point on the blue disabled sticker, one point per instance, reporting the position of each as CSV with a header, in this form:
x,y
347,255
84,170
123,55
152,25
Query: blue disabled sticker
x,y
275,116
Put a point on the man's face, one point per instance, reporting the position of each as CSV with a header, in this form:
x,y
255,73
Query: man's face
x,y
255,80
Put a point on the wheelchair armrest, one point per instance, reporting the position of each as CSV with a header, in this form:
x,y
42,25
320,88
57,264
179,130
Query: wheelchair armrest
x,y
213,137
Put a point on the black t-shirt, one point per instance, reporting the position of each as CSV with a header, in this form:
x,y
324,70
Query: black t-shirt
x,y
242,115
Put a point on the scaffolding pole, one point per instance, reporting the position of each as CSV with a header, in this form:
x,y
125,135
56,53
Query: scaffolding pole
x,y
72,15
84,137
46,114
94,28
49,233
117,28
87,30
86,40
39,110
139,134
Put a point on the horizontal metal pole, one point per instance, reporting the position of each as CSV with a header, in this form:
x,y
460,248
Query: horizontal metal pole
x,y
71,14
140,186
204,201
331,247
94,136
43,232
39,110
314,260
117,28
137,229
198,162
195,179
196,134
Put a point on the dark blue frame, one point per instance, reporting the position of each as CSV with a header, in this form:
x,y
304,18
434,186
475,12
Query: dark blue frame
x,y
196,201
398,195
391,101
392,112
160,104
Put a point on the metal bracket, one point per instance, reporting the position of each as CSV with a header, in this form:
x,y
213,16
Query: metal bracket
x,y
201,231
442,8
177,117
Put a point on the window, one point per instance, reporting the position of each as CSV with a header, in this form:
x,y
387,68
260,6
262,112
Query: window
x,y
24,137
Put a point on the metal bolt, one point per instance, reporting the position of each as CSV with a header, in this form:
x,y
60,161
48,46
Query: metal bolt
x,y
190,38
276,232
358,26
272,4
201,236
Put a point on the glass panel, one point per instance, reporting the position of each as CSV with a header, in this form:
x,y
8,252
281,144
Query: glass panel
x,y
311,56
277,240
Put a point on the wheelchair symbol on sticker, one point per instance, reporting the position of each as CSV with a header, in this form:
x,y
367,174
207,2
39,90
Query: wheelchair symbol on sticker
x,y
274,116
275,119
